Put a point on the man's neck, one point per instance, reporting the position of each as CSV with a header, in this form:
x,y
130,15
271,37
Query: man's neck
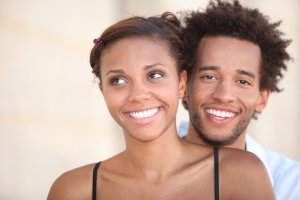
x,y
193,137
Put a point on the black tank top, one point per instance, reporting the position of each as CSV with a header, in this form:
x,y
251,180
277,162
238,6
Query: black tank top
x,y
216,176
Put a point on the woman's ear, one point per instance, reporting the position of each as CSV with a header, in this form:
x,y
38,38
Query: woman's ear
x,y
182,84
100,87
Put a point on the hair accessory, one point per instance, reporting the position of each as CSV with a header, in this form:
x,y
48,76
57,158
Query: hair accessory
x,y
98,41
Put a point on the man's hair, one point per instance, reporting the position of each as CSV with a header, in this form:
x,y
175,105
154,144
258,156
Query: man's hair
x,y
233,20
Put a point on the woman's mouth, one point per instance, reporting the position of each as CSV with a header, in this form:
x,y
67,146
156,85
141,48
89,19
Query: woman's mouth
x,y
144,113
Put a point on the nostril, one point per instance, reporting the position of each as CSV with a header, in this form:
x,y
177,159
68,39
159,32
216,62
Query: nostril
x,y
223,93
140,94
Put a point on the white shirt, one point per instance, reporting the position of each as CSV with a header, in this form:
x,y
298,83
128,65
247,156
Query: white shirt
x,y
284,173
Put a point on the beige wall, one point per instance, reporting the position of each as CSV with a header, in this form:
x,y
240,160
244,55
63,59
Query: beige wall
x,y
52,115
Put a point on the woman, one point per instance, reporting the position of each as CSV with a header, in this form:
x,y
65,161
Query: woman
x,y
138,62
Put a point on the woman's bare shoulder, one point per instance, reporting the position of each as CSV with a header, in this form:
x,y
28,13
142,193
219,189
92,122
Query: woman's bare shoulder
x,y
242,163
74,184
239,157
245,171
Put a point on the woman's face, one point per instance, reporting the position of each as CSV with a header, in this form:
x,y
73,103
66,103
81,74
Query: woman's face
x,y
141,86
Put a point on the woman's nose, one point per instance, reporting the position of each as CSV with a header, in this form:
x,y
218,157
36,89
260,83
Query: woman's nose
x,y
139,92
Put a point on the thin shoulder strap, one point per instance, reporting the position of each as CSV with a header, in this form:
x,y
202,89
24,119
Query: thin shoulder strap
x,y
95,171
216,172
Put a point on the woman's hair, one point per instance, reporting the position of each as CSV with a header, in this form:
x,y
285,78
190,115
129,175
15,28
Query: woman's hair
x,y
166,28
233,20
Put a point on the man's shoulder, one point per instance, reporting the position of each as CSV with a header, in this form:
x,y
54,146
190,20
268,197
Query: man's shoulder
x,y
286,175
275,161
281,165
284,172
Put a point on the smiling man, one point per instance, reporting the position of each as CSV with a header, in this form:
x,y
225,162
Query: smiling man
x,y
235,59
228,91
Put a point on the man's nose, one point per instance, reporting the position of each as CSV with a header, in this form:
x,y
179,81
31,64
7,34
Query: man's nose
x,y
224,91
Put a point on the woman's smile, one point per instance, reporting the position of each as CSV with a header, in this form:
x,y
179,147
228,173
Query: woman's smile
x,y
144,113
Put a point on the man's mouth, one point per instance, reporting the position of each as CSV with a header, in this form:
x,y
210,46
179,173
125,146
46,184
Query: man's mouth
x,y
220,113
144,113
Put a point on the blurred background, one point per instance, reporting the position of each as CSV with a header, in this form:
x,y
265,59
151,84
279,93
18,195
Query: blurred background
x,y
52,115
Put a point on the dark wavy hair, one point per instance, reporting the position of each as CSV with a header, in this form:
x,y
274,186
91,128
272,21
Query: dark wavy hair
x,y
165,27
230,19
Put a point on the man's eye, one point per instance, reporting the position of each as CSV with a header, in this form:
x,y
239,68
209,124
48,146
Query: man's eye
x,y
118,81
155,75
244,82
208,77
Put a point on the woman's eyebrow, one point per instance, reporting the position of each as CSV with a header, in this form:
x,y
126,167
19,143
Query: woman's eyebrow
x,y
153,65
115,71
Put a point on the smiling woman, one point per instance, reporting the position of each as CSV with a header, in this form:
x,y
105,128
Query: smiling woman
x,y
139,64
139,86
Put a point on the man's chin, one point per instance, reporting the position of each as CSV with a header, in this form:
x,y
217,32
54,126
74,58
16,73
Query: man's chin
x,y
219,141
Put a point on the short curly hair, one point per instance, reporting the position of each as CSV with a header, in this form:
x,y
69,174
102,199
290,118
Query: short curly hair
x,y
230,19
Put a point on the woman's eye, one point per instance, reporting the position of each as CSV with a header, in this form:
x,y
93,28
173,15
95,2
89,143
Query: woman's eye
x,y
118,81
155,75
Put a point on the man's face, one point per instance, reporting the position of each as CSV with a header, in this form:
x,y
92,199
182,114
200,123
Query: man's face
x,y
223,93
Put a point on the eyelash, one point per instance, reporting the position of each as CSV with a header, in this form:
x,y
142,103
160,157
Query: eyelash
x,y
211,77
152,74
114,80
208,77
244,82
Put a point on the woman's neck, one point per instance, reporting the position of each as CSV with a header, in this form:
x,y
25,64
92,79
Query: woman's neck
x,y
154,160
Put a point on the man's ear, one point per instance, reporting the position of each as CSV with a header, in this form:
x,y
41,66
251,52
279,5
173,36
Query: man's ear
x,y
263,100
182,84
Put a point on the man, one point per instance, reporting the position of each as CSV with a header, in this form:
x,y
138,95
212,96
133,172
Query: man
x,y
235,59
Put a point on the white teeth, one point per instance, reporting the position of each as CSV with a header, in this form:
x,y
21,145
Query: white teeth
x,y
218,113
144,114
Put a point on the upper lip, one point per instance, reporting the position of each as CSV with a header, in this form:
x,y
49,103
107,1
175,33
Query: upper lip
x,y
142,109
144,113
223,108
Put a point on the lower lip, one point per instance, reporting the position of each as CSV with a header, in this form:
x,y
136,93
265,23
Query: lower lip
x,y
145,120
218,120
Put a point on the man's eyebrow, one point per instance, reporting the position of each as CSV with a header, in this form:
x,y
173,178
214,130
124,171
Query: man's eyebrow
x,y
247,73
205,68
216,68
